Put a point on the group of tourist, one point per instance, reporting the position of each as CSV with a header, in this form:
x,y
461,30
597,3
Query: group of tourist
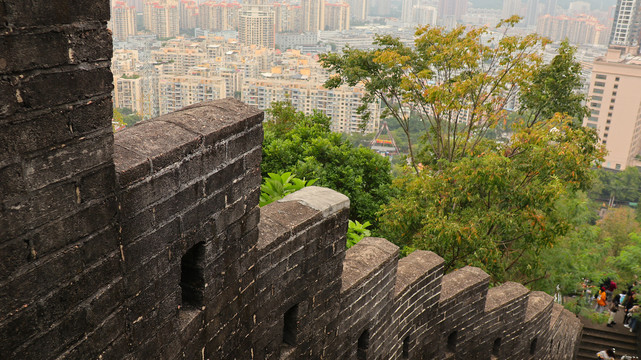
x,y
608,299
605,299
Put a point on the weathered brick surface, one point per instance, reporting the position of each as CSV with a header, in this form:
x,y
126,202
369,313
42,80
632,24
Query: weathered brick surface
x,y
59,254
151,245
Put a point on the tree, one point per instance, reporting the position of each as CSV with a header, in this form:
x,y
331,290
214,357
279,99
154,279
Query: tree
x,y
548,93
456,82
621,186
304,145
476,201
617,224
497,208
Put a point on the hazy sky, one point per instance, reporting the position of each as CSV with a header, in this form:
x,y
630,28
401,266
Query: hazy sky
x,y
497,4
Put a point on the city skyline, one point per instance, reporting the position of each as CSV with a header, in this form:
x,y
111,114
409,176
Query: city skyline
x,y
263,51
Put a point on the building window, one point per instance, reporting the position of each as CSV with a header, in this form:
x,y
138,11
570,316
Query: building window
x,y
605,135
616,86
290,325
616,78
192,278
594,112
597,98
593,118
607,122
595,105
601,77
611,107
614,93
604,142
597,91
618,166
599,83
607,128
363,345
609,114
612,101
591,126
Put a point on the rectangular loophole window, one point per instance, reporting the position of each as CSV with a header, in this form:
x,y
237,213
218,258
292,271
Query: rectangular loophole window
x,y
290,326
533,346
363,345
451,342
406,347
496,347
192,278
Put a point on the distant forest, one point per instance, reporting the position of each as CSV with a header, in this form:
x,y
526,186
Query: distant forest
x,y
498,4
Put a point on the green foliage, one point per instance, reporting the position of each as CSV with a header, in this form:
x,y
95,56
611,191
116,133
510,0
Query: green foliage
x,y
303,144
277,186
283,117
548,93
455,83
495,204
133,76
496,209
595,317
578,255
616,226
628,260
117,118
125,117
595,252
356,232
584,307
622,186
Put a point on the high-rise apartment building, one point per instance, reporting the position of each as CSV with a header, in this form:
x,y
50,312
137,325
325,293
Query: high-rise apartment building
x,y
218,16
288,17
626,28
123,20
424,15
549,7
137,4
511,7
178,91
414,12
406,10
380,8
337,17
615,107
181,54
358,9
339,104
579,30
162,19
188,14
531,12
313,15
128,93
256,26
452,8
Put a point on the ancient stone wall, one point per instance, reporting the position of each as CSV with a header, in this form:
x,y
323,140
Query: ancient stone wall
x,y
150,244
59,257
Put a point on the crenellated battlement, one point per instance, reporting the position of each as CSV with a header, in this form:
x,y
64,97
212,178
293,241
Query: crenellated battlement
x,y
149,244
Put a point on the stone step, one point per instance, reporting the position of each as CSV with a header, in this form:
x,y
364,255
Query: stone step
x,y
618,339
598,346
598,337
584,354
